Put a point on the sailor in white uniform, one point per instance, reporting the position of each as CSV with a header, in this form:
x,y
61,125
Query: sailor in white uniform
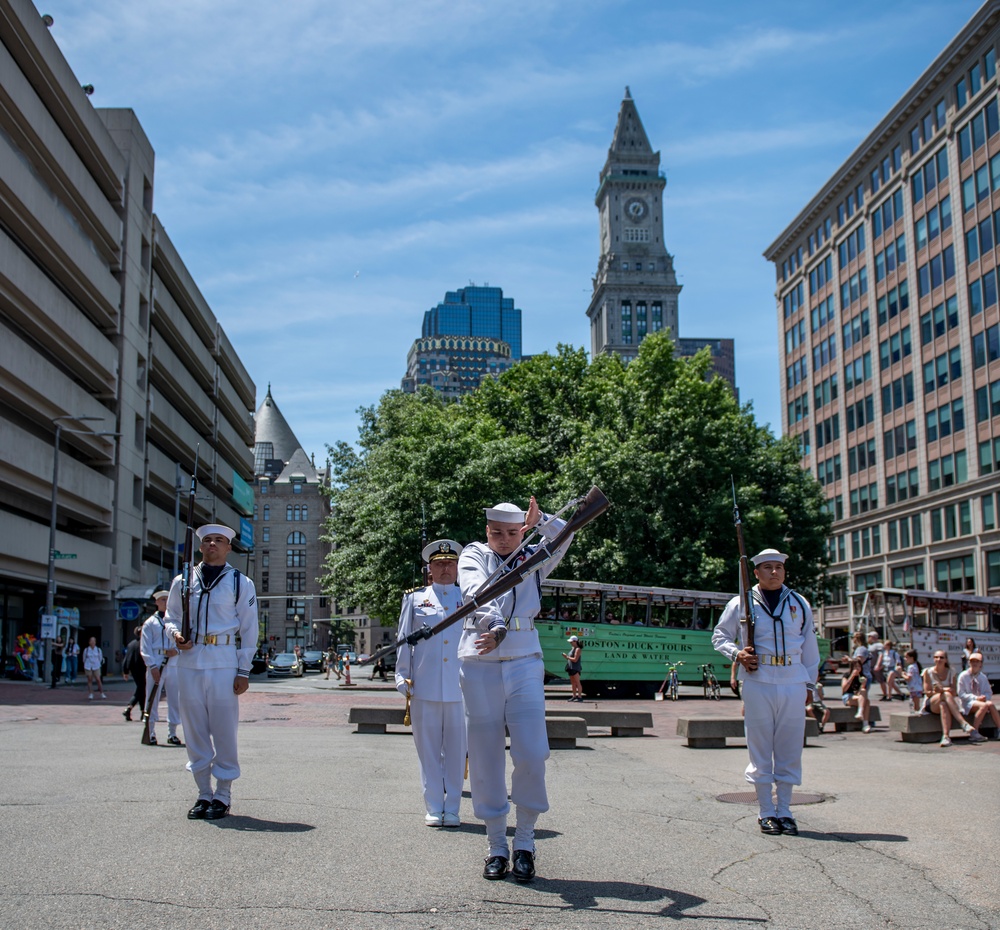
x,y
775,679
502,677
158,650
428,674
213,667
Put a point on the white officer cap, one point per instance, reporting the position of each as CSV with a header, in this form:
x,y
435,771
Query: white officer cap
x,y
441,549
158,594
769,555
505,513
215,529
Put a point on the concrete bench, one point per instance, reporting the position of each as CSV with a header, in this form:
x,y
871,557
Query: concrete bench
x,y
926,728
712,732
375,719
622,722
563,731
843,718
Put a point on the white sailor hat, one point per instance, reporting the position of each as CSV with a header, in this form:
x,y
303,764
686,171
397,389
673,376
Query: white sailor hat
x,y
441,549
158,594
769,555
215,529
573,639
505,513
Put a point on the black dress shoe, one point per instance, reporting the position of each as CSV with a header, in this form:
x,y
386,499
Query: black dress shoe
x,y
523,868
770,825
495,868
152,741
789,826
217,810
127,714
174,741
200,809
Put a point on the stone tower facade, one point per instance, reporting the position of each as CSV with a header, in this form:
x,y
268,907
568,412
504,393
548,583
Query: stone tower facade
x,y
635,288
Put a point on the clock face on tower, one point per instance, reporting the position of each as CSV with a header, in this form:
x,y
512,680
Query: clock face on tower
x,y
636,209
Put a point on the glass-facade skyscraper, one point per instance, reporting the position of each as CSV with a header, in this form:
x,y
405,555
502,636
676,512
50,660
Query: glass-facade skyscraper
x,y
477,311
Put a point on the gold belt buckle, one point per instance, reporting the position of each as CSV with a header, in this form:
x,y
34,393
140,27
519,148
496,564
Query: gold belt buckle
x,y
210,639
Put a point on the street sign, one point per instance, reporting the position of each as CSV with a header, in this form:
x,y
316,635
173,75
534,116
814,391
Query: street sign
x,y
63,555
49,622
129,610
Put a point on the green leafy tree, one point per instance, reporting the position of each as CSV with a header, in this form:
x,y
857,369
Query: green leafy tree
x,y
658,436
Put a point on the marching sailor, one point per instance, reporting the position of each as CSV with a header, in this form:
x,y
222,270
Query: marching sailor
x,y
157,648
213,667
775,680
502,676
428,674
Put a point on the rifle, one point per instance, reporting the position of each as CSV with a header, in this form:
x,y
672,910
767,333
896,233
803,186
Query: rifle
x,y
592,505
188,566
147,711
746,598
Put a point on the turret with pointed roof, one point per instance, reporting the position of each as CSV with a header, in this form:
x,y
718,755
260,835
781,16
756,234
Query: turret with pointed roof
x,y
276,446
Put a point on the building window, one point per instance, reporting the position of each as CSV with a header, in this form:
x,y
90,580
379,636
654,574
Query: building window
x,y
265,559
267,511
295,582
993,569
627,322
265,534
957,574
295,558
908,576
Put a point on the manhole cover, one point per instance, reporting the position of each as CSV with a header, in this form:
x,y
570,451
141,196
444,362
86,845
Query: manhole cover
x,y
750,797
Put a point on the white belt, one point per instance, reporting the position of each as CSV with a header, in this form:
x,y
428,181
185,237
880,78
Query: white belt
x,y
778,660
514,625
213,639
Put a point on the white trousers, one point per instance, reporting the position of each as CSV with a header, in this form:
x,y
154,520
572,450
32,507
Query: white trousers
x,y
210,714
510,694
167,686
775,722
439,735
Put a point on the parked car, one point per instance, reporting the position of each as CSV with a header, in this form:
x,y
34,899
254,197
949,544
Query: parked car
x,y
312,660
284,665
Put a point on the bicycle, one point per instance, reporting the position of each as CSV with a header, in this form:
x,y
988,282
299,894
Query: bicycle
x,y
710,683
672,683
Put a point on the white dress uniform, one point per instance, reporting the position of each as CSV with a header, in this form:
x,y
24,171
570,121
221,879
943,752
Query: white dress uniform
x,y
505,688
224,633
774,695
436,711
154,641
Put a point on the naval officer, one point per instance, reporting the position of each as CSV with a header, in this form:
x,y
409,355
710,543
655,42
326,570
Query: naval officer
x,y
502,676
157,648
428,674
213,667
775,680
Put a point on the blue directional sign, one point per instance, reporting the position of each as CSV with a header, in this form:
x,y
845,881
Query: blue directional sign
x,y
129,610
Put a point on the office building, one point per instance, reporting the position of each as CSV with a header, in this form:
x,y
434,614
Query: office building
x,y
635,289
473,334
889,331
107,343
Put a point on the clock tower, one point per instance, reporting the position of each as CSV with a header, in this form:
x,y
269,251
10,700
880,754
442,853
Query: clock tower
x,y
635,288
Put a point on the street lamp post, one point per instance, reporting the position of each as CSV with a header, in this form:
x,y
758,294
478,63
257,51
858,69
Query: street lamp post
x,y
50,588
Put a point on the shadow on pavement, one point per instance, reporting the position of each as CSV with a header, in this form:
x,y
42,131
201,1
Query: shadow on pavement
x,y
583,895
855,837
253,825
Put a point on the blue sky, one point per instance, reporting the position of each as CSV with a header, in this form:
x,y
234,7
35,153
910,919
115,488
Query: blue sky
x,y
329,169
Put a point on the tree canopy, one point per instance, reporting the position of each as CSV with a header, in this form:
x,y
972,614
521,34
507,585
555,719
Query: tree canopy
x,y
657,437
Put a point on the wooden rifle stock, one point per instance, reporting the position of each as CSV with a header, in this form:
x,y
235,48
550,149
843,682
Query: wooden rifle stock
x,y
591,507
746,585
150,704
188,566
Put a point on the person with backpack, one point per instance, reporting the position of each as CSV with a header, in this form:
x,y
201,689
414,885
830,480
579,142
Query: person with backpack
x,y
213,667
134,666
